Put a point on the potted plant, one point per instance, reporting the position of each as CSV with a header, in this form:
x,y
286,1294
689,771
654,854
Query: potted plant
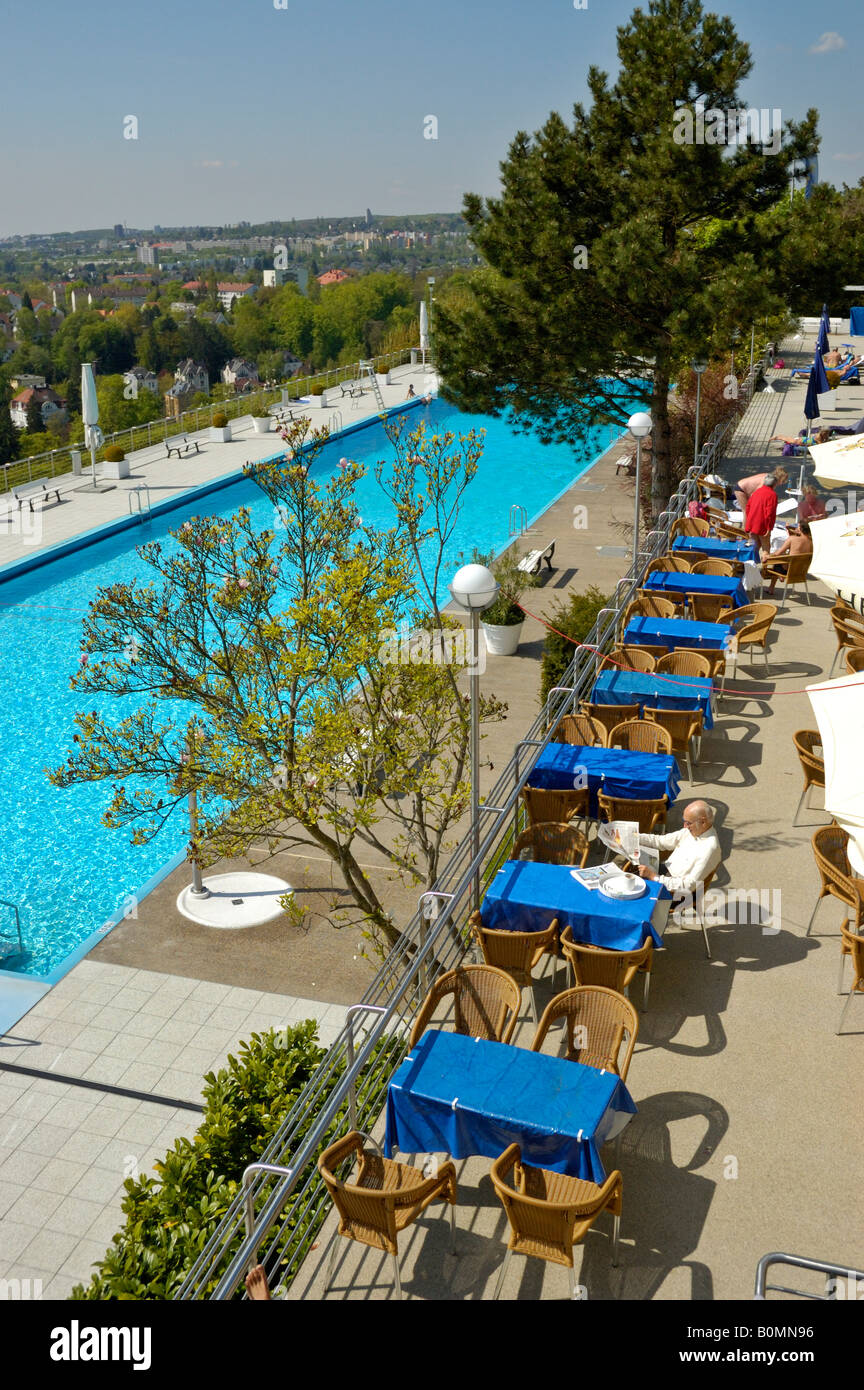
x,y
220,430
262,424
115,463
502,621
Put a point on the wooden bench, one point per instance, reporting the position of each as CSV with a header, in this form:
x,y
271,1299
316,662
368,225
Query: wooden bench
x,y
533,560
182,445
35,492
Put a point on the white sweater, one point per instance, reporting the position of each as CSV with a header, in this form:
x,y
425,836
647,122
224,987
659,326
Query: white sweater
x,y
692,859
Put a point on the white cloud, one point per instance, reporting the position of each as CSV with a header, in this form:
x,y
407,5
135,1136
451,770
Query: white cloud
x,y
859,154
829,43
211,163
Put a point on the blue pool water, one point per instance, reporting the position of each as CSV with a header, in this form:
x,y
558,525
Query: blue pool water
x,y
65,870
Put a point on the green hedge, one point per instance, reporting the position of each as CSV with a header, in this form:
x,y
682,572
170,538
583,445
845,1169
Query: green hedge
x,y
575,618
169,1218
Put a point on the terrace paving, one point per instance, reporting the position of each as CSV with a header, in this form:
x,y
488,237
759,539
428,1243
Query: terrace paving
x,y
747,1137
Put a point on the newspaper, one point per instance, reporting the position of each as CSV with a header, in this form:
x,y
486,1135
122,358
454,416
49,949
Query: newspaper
x,y
622,837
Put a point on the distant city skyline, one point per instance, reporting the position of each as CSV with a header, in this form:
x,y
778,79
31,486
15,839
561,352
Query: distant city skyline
x,y
212,115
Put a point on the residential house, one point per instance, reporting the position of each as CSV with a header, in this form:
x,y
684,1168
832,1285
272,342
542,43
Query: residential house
x,y
189,378
332,277
240,373
51,406
144,379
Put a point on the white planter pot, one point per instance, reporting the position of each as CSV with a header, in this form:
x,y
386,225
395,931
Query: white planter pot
x,y
502,641
262,424
118,468
220,435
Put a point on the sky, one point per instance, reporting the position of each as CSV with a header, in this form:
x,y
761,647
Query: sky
x,y
318,108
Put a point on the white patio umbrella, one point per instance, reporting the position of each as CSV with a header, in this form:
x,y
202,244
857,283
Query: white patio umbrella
x,y
90,416
424,329
839,709
839,462
838,556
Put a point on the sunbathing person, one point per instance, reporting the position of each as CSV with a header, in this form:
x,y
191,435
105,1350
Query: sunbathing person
x,y
798,542
820,437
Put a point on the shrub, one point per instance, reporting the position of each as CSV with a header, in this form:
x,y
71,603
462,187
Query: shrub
x,y
575,618
169,1218
114,453
512,582
316,390
220,420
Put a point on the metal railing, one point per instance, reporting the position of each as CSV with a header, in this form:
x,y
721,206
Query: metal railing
x,y
838,1277
57,462
349,1086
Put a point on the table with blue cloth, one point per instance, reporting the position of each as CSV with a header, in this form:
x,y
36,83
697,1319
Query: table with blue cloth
x,y
528,896
679,585
676,632
465,1096
617,771
653,689
712,548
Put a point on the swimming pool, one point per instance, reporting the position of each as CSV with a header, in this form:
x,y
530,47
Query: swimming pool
x,y
65,871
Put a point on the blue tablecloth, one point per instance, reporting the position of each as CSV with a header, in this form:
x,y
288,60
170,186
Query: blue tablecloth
x,y
465,1096
527,896
644,688
641,776
856,321
711,548
676,632
680,584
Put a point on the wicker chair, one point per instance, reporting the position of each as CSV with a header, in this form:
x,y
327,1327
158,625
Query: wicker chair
x,y
792,569
755,626
550,1213
581,730
716,658
542,805
682,726
553,844
383,1199
854,660
650,606
678,601
610,716
718,567
730,532
516,952
707,489
853,947
656,652
640,736
689,526
849,633
628,659
812,764
685,661
709,608
615,970
669,564
598,1020
485,1001
832,860
648,814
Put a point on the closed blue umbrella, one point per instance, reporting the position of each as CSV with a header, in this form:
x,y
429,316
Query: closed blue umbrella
x,y
822,340
817,382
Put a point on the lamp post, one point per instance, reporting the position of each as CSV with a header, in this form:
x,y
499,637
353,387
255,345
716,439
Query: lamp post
x,y
474,587
639,425
430,281
699,365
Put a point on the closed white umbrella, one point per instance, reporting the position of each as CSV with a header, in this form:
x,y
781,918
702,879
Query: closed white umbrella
x,y
839,462
839,709
838,556
424,329
90,415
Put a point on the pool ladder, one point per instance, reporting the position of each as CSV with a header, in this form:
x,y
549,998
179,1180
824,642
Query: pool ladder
x,y
140,495
336,424
10,946
517,524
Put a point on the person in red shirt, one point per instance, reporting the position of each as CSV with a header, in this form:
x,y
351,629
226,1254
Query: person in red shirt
x,y
761,513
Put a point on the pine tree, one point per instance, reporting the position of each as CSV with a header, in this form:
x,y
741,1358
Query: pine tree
x,y
9,448
615,252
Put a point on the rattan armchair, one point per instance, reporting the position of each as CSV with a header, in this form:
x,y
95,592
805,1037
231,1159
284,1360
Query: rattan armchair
x,y
597,1023
580,730
640,736
754,626
706,489
383,1199
550,1213
792,569
812,763
854,660
716,658
685,661
730,532
610,716
837,880
682,726
647,814
615,970
553,843
721,568
486,1003
560,807
516,952
669,564
649,605
678,601
849,632
689,526
628,658
853,947
709,608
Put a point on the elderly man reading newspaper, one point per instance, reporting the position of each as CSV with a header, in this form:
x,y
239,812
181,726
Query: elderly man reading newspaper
x,y
695,851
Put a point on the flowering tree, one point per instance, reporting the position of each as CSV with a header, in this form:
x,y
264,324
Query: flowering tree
x,y
265,680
